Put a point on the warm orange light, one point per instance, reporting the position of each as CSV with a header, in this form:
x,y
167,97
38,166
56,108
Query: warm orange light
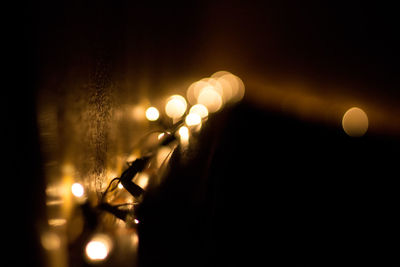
x,y
50,241
175,107
355,122
142,180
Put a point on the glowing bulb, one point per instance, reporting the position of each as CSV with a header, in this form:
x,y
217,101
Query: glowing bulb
x,y
98,248
152,114
210,98
184,134
194,90
200,110
355,122
232,85
193,119
136,221
77,190
50,241
175,107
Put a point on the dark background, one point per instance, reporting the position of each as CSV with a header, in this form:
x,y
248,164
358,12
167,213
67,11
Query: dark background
x,y
277,188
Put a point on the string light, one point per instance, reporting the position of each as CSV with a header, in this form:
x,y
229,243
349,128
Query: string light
x,y
206,96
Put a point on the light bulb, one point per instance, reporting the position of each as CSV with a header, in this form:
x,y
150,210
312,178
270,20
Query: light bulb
x,y
152,114
199,109
98,248
175,107
193,119
77,190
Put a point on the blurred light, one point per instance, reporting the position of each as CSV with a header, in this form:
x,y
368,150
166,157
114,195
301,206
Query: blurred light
x,y
152,114
175,107
194,90
161,135
57,222
50,241
193,119
134,239
77,190
98,248
138,113
210,98
120,186
355,122
54,202
162,155
136,221
184,134
233,86
200,110
142,180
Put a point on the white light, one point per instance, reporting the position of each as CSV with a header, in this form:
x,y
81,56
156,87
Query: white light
x,y
193,119
77,190
136,221
199,109
98,248
152,114
120,186
175,107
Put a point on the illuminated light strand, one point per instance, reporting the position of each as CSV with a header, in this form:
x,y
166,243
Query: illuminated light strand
x,y
205,96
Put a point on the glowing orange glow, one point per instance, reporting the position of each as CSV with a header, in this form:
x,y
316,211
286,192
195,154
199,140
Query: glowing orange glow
x,y
50,241
175,107
162,155
138,113
142,180
98,248
152,114
57,222
355,122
